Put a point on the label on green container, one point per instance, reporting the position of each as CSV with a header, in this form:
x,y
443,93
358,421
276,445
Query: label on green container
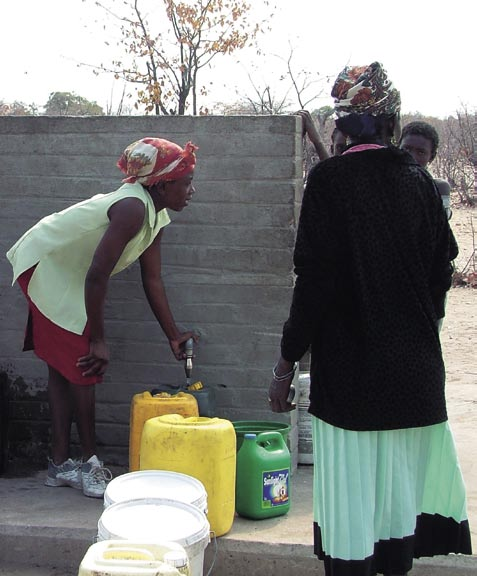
x,y
275,488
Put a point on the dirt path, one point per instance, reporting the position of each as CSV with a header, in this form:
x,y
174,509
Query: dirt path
x,y
459,343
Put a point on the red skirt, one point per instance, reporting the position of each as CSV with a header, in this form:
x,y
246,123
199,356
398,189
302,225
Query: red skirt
x,y
58,347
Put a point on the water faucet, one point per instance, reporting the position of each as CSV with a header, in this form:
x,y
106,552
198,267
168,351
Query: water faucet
x,y
189,350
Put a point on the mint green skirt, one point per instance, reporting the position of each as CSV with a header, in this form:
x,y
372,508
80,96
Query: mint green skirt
x,y
382,498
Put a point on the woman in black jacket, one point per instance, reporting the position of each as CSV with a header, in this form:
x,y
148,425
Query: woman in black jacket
x,y
373,262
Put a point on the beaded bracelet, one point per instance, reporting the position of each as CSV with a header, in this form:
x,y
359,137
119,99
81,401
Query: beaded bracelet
x,y
283,376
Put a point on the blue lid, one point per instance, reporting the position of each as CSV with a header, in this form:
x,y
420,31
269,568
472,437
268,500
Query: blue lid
x,y
249,436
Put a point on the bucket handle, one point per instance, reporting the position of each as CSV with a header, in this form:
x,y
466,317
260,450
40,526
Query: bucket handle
x,y
214,558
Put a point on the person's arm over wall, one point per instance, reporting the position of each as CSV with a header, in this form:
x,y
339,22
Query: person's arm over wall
x,y
313,132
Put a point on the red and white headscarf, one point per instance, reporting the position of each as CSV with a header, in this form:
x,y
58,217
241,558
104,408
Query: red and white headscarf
x,y
151,160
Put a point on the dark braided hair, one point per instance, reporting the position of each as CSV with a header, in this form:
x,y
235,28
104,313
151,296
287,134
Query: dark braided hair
x,y
424,129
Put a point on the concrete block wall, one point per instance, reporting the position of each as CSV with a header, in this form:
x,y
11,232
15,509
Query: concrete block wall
x,y
227,263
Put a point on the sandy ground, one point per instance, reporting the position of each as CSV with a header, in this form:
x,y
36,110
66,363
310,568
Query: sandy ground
x,y
459,342
464,226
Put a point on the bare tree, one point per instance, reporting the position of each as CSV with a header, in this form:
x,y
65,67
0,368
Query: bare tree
x,y
120,108
305,84
292,89
456,159
264,101
457,155
164,61
467,139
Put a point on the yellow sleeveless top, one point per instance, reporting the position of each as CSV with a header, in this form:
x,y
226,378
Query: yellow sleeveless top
x,y
62,246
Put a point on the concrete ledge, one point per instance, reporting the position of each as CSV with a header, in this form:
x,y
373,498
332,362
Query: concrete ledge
x,y
266,559
47,531
48,548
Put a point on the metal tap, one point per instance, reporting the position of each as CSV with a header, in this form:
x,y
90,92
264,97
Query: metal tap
x,y
189,350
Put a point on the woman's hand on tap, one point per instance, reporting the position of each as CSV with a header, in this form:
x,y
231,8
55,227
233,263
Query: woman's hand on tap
x,y
178,344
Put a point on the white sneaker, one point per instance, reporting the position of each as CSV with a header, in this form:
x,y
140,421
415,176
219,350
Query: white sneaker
x,y
66,474
95,477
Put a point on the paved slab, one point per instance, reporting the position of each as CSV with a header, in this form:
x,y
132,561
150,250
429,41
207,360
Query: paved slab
x,y
46,531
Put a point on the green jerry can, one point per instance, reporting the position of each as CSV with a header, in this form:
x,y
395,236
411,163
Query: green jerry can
x,y
263,476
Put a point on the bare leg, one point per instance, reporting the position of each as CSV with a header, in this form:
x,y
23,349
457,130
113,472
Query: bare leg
x,y
84,401
59,398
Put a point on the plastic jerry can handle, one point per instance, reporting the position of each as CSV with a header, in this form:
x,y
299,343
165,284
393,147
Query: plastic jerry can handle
x,y
271,439
121,554
166,388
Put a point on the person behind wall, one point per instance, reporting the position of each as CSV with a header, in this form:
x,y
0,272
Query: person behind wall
x,y
63,265
372,260
421,140
338,142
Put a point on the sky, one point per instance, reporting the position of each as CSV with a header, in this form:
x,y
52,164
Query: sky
x,y
426,46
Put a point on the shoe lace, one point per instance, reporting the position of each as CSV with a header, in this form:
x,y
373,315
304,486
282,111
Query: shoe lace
x,y
77,465
100,475
67,466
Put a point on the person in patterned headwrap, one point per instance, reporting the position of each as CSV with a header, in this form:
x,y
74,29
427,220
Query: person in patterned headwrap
x,y
365,90
366,103
373,263
63,265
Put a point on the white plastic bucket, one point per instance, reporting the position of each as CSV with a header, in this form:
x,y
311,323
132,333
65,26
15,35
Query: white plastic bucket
x,y
156,520
156,484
